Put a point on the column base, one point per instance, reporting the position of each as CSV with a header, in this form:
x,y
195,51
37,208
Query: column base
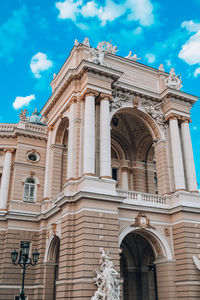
x,y
180,190
90,184
105,177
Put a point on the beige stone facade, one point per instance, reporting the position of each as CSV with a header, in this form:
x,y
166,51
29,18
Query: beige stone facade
x,y
112,168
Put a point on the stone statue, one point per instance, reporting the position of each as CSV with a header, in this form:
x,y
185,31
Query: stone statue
x,y
76,42
23,114
106,280
103,48
86,42
132,57
35,118
196,262
54,75
97,56
161,68
107,47
173,81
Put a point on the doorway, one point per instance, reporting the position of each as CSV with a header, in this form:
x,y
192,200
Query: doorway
x,y
137,268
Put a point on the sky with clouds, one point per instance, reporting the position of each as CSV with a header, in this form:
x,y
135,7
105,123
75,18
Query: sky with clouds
x,y
37,36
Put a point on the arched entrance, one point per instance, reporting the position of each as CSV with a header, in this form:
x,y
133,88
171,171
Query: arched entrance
x,y
52,268
132,151
137,268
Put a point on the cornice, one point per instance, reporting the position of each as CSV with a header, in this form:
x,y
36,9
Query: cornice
x,y
76,74
178,95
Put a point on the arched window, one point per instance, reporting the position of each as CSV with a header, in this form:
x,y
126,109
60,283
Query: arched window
x,y
29,190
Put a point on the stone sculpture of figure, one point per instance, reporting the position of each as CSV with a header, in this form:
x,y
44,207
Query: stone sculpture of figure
x,y
76,42
54,75
86,42
99,53
173,81
132,57
106,280
196,262
161,68
107,47
35,118
22,115
97,56
114,50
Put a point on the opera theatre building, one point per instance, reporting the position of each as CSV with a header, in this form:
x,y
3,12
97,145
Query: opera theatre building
x,y
105,170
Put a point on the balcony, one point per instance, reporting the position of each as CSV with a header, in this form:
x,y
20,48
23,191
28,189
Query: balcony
x,y
143,199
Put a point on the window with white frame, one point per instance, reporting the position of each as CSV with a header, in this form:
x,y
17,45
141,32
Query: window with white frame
x,y
29,190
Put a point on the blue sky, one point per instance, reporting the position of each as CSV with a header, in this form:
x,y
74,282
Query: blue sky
x,y
36,37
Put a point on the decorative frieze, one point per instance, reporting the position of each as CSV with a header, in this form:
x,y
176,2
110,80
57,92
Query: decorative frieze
x,y
155,111
121,97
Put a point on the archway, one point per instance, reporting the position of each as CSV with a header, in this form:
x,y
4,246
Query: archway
x,y
132,151
52,268
137,268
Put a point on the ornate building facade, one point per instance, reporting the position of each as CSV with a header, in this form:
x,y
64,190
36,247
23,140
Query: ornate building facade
x,y
109,165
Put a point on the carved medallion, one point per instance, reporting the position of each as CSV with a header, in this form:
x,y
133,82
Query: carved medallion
x,y
142,221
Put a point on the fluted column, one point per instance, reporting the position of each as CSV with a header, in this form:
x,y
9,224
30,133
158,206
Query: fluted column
x,y
89,135
188,156
5,181
47,164
177,157
105,144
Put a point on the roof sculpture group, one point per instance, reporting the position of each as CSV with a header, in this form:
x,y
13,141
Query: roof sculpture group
x,y
103,48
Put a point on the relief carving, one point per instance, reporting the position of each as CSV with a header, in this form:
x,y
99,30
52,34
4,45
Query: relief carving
x,y
155,111
142,221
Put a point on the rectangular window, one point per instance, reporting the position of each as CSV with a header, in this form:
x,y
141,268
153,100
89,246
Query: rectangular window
x,y
114,173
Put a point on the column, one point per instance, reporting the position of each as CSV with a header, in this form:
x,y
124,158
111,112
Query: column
x,y
177,158
188,156
105,145
47,164
70,162
125,178
89,135
5,181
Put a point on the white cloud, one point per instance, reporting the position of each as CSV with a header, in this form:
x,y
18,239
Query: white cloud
x,y
140,10
22,101
197,72
40,63
150,58
68,9
137,10
191,26
190,51
90,9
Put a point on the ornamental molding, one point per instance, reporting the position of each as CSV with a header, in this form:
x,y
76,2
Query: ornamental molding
x,y
155,111
178,101
152,108
142,221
